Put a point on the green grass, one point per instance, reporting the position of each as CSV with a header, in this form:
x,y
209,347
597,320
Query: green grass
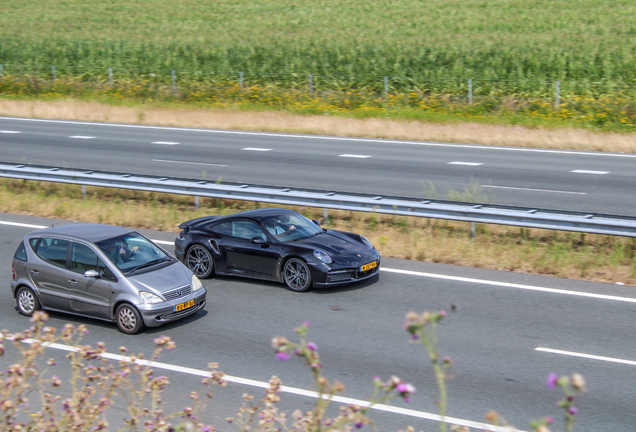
x,y
571,40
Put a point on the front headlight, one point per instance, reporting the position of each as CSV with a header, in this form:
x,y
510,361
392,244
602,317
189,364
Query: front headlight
x,y
323,256
196,283
149,297
366,242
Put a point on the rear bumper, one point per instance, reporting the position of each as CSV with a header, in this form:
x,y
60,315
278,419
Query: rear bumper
x,y
156,314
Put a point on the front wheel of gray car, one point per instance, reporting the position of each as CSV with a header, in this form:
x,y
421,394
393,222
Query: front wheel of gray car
x,y
27,301
199,261
297,275
128,319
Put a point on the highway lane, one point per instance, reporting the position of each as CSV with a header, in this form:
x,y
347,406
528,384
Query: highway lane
x,y
492,338
577,181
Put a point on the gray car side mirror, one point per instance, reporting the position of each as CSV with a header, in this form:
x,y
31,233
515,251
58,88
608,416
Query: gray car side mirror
x,y
91,274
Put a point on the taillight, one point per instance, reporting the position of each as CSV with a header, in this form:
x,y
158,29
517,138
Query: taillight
x,y
13,271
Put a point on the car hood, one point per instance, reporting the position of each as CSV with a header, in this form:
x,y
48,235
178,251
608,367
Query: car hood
x,y
163,279
343,249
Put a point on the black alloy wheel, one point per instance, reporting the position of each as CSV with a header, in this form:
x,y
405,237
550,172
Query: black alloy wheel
x,y
199,261
27,301
128,319
297,275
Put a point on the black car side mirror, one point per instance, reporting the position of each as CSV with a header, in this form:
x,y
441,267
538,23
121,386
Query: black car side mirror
x,y
258,240
316,222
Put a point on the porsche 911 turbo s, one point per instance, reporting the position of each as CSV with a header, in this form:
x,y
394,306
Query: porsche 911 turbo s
x,y
278,245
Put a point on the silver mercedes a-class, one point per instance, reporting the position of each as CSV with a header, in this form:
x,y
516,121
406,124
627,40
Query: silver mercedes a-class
x,y
105,272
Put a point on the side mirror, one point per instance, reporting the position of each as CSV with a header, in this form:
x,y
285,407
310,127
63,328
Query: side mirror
x,y
258,240
316,222
91,274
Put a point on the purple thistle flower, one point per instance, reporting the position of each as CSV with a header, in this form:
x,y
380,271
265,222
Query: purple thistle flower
x,y
359,425
549,420
401,387
552,380
306,324
312,346
407,399
282,356
573,410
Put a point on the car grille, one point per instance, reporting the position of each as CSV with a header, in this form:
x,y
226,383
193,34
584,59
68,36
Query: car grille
x,y
339,277
178,293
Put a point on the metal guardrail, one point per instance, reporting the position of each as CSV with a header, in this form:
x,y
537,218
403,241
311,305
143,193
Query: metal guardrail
x,y
468,212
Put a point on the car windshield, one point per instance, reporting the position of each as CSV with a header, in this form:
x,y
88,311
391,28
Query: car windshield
x,y
130,252
290,226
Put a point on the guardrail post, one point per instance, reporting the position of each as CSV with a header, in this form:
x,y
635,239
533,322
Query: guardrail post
x,y
0,69
196,202
110,76
52,73
241,80
386,87
472,230
174,83
311,83
470,90
558,94
83,191
324,215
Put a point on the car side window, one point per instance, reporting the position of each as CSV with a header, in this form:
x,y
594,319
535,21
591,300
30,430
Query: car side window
x,y
224,228
53,251
83,259
20,253
247,230
34,243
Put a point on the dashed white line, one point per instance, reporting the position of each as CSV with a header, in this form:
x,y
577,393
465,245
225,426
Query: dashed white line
x,y
285,389
258,149
81,137
165,142
10,132
189,163
589,172
534,190
354,156
466,163
586,356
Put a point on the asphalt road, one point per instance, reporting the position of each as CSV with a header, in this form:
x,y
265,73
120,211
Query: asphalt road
x,y
501,320
592,182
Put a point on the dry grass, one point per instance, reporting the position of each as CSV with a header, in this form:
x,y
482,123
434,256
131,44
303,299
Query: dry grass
x,y
576,256
277,121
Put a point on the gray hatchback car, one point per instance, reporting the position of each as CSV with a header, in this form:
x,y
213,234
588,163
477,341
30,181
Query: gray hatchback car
x,y
105,272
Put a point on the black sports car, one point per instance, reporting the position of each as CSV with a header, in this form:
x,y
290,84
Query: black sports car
x,y
275,244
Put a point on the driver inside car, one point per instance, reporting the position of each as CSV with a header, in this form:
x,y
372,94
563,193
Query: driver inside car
x,y
278,229
119,251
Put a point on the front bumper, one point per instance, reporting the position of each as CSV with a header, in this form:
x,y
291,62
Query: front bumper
x,y
160,313
342,276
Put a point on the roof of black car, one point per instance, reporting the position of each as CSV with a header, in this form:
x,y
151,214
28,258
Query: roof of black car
x,y
257,214
86,231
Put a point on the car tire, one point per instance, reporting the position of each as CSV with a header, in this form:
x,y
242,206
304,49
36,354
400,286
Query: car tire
x,y
128,319
199,261
27,301
297,275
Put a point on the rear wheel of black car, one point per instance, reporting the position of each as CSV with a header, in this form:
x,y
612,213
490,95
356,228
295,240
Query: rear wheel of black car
x,y
128,319
297,275
199,261
27,301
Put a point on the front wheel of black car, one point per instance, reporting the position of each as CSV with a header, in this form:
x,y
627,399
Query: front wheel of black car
x,y
199,261
128,319
297,275
27,301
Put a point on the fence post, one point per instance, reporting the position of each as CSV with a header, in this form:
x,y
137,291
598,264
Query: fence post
x,y
110,76
558,94
386,87
311,83
241,80
52,73
470,90
174,83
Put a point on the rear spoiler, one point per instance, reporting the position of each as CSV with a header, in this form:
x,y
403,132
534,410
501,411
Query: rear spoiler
x,y
187,225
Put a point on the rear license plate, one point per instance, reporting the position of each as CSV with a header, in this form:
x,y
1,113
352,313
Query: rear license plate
x,y
183,306
369,266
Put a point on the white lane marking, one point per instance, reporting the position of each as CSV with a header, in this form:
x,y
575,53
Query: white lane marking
x,y
354,156
10,132
190,163
511,285
466,163
589,172
445,277
363,140
286,389
534,190
81,137
256,149
165,142
587,356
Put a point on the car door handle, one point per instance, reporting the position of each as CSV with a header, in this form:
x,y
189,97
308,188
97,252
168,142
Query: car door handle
x,y
35,272
72,281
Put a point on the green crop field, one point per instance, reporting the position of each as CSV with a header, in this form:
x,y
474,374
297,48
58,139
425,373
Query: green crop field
x,y
520,40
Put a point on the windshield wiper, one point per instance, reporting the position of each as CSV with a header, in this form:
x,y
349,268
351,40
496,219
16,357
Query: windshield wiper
x,y
149,264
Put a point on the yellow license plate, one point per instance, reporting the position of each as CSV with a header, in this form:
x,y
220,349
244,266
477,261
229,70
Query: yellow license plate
x,y
369,266
183,306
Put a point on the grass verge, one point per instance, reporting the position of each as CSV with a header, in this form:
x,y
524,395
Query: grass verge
x,y
555,253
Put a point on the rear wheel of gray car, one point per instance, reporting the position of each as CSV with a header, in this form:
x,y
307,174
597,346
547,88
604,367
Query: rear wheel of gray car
x,y
199,261
128,319
297,275
27,301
